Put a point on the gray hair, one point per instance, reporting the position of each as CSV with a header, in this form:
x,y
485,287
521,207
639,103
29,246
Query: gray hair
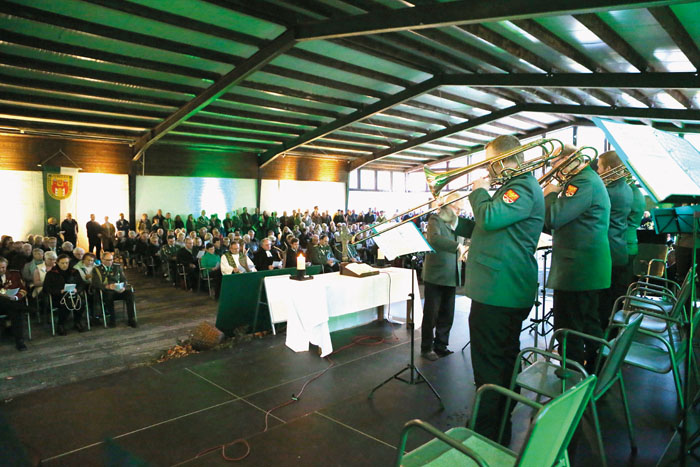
x,y
65,245
51,255
79,250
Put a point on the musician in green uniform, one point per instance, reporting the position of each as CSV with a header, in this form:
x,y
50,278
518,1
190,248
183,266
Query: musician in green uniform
x,y
501,275
442,276
620,195
578,215
168,255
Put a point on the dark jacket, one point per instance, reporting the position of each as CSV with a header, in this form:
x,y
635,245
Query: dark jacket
x,y
187,258
262,261
56,279
620,207
441,266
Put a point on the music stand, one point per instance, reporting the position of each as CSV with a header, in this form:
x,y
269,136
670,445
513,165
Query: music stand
x,y
415,242
678,220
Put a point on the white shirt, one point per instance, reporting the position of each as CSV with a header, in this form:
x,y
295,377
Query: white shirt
x,y
236,267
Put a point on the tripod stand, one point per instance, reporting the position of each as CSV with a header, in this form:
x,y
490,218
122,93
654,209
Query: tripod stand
x,y
415,376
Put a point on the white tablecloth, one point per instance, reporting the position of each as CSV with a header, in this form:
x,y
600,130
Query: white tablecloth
x,y
307,305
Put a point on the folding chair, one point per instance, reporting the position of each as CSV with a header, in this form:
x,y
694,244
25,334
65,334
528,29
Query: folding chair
x,y
546,444
542,376
126,312
182,272
206,277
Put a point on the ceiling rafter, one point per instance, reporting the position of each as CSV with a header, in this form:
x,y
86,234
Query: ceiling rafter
x,y
608,35
456,13
674,28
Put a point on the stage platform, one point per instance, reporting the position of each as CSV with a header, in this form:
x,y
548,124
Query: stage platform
x,y
167,413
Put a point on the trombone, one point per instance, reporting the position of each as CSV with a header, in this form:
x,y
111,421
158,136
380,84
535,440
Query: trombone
x,y
438,180
614,174
569,167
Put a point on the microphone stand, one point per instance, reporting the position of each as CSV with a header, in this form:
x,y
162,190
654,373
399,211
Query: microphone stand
x,y
415,376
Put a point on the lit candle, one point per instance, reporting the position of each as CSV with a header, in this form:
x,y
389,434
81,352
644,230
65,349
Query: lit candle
x,y
301,263
380,255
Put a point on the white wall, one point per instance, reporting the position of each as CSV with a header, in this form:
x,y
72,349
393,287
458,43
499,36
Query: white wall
x,y
287,195
101,195
189,195
386,201
22,211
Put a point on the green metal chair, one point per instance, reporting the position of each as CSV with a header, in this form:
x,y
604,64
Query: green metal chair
x,y
553,375
661,352
546,443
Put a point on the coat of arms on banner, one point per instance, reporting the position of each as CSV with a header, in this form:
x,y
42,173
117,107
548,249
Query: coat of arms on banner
x,y
60,186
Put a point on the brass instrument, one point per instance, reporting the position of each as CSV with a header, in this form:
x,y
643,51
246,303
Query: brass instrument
x,y
438,180
568,168
615,174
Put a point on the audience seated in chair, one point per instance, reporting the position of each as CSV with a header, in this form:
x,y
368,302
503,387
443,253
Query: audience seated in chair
x,y
187,257
30,266
321,254
266,257
109,278
12,305
235,261
211,268
65,301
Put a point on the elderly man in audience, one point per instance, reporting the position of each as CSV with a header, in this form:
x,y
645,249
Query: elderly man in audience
x,y
66,248
51,244
21,256
321,254
168,255
109,278
76,256
56,284
29,268
236,261
266,257
12,304
187,257
69,227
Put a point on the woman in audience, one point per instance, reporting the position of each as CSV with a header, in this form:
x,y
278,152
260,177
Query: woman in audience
x,y
211,263
180,240
178,224
53,229
55,284
40,271
190,225
30,267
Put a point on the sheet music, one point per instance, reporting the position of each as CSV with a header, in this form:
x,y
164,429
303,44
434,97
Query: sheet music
x,y
402,240
665,164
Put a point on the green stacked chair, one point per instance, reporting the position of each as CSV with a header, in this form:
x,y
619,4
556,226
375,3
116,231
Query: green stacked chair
x,y
547,440
551,376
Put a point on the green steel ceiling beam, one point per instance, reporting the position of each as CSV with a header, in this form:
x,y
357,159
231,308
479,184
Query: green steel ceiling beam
x,y
682,115
578,80
361,161
280,45
358,115
459,12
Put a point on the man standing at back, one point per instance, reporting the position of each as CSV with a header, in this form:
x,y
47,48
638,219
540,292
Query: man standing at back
x,y
94,235
621,199
578,215
501,275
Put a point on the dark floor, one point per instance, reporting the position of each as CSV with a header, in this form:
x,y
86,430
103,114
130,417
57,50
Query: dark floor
x,y
168,413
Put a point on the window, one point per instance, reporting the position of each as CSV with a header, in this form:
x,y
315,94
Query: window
x,y
383,180
399,182
591,136
353,180
415,182
368,180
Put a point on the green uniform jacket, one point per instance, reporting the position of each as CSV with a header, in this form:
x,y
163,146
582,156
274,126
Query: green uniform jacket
x,y
501,267
620,206
635,219
102,277
579,219
319,255
441,266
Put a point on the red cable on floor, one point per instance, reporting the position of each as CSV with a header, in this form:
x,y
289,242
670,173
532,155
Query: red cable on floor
x,y
358,340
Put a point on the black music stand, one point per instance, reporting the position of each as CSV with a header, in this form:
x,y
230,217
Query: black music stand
x,y
415,375
684,219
